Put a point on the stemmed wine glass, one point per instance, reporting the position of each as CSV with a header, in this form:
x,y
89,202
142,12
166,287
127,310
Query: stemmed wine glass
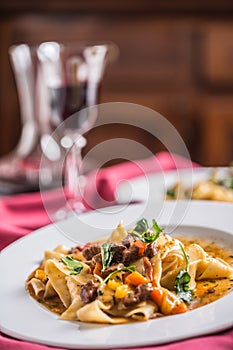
x,y
71,76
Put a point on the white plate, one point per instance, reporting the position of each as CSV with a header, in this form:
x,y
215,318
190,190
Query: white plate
x,y
22,317
153,187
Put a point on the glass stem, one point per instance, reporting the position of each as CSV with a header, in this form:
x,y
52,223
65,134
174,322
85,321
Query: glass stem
x,y
73,171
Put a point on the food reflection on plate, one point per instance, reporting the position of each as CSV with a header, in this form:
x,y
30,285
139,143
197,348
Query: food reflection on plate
x,y
132,275
218,187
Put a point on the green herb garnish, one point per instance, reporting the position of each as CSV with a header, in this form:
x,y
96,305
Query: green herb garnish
x,y
182,281
147,237
142,226
227,183
143,232
185,257
156,227
171,192
182,287
74,265
107,255
131,268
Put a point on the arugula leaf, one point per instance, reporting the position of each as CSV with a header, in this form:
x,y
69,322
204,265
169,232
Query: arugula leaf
x,y
142,231
181,285
107,255
74,265
182,281
147,237
131,268
156,227
142,226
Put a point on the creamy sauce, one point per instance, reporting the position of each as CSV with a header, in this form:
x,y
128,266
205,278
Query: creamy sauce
x,y
208,291
53,304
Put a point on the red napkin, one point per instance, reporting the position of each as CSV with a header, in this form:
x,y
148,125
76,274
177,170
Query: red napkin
x,y
220,341
102,184
21,214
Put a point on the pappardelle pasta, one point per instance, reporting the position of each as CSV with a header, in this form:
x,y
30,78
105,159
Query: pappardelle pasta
x,y
132,275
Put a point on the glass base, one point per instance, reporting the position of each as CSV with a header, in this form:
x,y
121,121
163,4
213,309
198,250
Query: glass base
x,y
20,175
72,208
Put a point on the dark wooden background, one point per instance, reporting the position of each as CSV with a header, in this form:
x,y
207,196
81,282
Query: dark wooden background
x,y
175,57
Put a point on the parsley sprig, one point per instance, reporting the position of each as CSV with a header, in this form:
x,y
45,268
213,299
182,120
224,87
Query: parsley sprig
x,y
143,232
74,265
131,268
182,281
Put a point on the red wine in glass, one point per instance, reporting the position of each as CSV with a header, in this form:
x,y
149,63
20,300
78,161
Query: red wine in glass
x,y
67,100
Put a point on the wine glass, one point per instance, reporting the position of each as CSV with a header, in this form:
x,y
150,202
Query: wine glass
x,y
71,76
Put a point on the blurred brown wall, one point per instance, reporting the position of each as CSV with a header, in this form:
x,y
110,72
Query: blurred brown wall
x,y
175,57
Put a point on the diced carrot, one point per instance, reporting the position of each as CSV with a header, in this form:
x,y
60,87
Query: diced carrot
x,y
172,304
97,269
135,279
141,246
157,295
179,308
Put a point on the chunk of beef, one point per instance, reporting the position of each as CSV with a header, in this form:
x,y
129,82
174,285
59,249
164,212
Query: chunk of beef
x,y
151,250
130,299
131,254
142,293
130,238
72,250
111,269
117,250
89,252
88,292
97,258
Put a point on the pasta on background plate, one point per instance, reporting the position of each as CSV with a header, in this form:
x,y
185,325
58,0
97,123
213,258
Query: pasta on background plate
x,y
132,275
216,188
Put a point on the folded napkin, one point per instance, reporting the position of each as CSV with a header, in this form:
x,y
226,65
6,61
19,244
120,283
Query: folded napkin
x,y
23,213
102,184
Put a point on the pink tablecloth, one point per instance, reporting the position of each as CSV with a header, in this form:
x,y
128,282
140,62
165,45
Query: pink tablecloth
x,y
21,214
